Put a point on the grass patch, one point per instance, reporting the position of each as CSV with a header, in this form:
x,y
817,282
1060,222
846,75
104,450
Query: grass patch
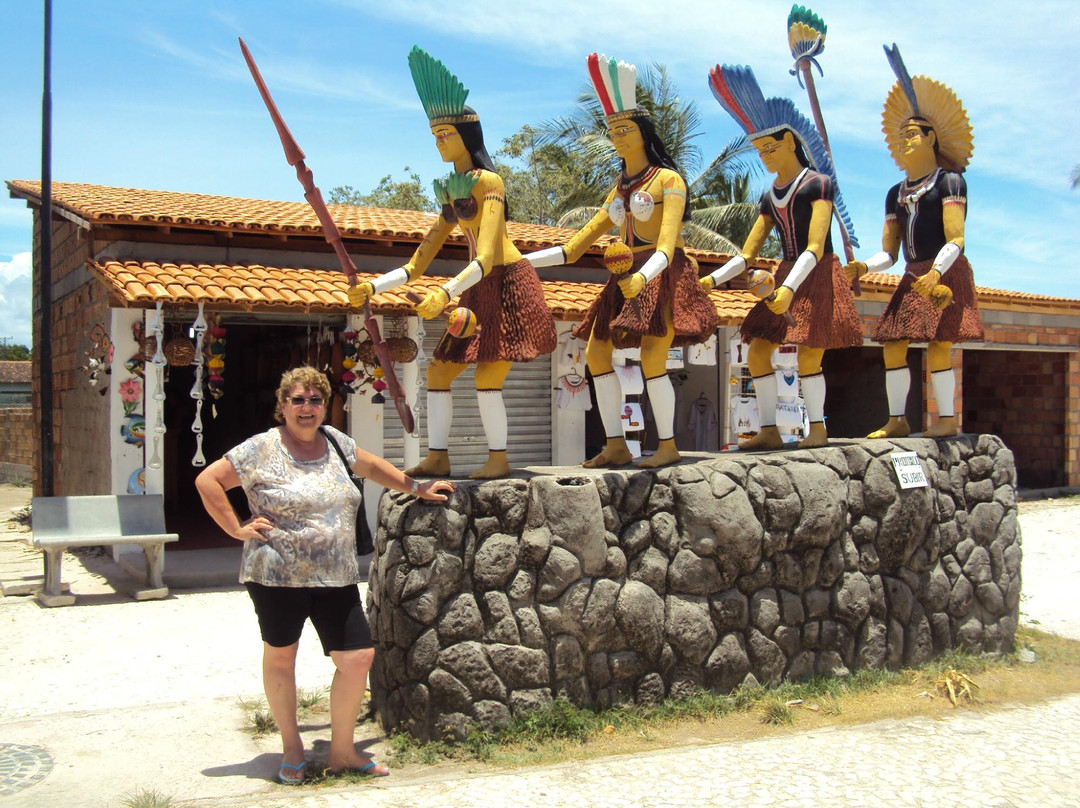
x,y
258,718
311,700
563,731
144,798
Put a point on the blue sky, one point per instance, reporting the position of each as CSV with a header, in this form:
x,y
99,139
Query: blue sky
x,y
155,95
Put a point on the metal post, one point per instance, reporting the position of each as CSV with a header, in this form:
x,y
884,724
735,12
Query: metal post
x,y
45,361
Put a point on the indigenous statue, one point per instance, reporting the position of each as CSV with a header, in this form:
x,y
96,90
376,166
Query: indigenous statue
x,y
652,299
929,136
497,284
812,287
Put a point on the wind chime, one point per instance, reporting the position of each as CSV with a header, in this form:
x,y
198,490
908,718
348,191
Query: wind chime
x,y
158,361
200,328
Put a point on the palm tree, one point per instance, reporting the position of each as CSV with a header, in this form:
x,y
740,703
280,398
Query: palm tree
x,y
1074,177
722,206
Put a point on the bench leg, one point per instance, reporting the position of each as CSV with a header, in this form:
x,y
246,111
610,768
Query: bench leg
x,y
52,593
155,565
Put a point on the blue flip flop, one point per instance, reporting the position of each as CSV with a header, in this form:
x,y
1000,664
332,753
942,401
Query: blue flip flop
x,y
296,767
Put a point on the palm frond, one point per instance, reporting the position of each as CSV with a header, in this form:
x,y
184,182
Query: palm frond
x,y
702,238
576,218
1074,177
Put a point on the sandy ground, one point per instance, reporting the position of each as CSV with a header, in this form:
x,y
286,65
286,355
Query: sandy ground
x,y
127,695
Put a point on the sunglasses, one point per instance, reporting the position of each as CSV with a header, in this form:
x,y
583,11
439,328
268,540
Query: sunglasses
x,y
300,401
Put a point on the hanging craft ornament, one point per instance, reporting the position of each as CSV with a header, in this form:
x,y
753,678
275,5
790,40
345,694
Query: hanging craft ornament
x,y
179,351
923,97
736,89
200,328
615,84
159,361
216,363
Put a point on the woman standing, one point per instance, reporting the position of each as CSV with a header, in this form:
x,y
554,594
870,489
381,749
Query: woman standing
x,y
497,284
657,304
299,559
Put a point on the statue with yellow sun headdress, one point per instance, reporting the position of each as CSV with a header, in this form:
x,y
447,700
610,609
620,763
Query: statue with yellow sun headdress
x,y
499,286
651,299
929,136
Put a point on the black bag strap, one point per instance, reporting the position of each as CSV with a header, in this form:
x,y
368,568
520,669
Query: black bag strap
x,y
341,454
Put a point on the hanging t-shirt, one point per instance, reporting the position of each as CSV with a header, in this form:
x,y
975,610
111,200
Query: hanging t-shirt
x,y
787,383
702,353
702,424
744,415
633,383
785,356
791,416
572,392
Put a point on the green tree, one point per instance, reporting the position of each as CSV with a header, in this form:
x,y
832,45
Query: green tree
x,y
408,194
14,353
543,180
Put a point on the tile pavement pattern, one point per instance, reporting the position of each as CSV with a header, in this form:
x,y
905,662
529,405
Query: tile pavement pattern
x,y
22,766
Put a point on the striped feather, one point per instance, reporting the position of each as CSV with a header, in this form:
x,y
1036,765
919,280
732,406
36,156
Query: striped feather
x,y
596,76
902,76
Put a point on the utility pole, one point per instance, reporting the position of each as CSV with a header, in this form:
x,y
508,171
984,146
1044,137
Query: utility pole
x,y
45,360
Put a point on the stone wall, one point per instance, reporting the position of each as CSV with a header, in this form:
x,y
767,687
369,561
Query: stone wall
x,y
626,586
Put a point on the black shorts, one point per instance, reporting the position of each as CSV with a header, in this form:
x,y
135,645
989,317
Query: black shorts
x,y
335,611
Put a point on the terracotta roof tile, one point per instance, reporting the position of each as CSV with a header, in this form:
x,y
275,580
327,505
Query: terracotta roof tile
x,y
14,371
107,205
228,287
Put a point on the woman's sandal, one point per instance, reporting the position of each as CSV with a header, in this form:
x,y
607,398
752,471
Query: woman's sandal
x,y
371,769
299,768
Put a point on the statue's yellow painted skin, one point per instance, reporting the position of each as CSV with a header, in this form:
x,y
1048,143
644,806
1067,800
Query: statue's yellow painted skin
x,y
779,158
919,160
660,233
493,247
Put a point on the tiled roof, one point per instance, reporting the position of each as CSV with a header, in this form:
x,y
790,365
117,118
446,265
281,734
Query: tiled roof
x,y
105,205
253,287
884,284
14,372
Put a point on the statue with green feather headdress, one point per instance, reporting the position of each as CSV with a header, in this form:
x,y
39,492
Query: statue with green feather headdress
x,y
498,285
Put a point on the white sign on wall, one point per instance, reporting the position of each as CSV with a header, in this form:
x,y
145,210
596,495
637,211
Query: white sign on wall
x,y
909,470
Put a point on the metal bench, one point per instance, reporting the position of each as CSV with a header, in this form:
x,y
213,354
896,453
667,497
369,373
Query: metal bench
x,y
59,523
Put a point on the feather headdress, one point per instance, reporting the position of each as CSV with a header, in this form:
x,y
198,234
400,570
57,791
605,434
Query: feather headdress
x,y
615,84
737,90
441,92
936,103
806,38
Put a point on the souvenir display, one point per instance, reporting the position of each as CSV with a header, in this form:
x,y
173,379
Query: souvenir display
x,y
651,300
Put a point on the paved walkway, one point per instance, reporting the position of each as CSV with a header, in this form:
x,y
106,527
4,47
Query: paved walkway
x,y
1001,759
109,696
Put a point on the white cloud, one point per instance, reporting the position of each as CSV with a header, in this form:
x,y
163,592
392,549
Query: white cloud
x,y
16,299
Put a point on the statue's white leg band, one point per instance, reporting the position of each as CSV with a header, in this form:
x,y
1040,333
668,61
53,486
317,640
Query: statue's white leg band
x,y
765,389
813,393
493,416
897,385
609,399
662,399
440,412
944,392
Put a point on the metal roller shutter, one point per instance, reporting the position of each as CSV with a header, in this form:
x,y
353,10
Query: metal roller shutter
x,y
527,394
